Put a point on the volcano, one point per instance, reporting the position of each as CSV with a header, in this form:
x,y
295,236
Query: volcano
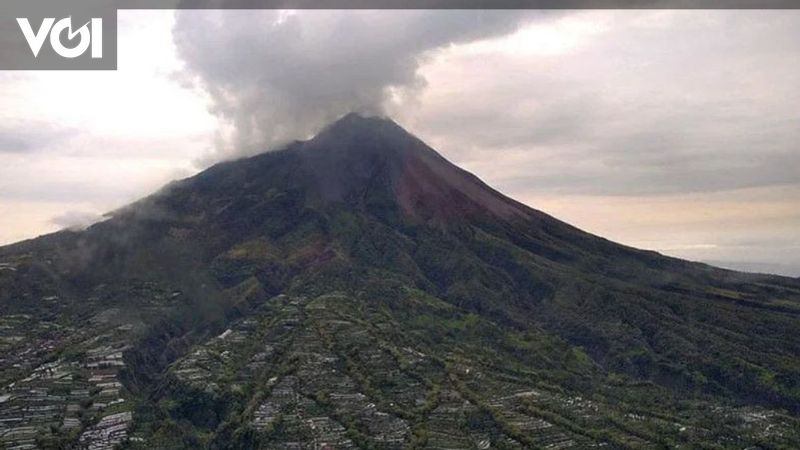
x,y
357,290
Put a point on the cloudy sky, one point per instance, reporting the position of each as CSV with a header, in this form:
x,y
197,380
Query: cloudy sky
x,y
677,131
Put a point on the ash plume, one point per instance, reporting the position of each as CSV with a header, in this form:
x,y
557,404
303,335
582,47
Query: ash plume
x,y
273,76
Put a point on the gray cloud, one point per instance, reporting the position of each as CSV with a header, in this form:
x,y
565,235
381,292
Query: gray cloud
x,y
26,137
57,190
655,102
275,76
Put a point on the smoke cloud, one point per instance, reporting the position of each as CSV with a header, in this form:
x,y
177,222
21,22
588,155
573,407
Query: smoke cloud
x,y
76,220
273,76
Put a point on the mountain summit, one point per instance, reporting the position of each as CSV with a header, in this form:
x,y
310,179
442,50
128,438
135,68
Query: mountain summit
x,y
357,290
368,160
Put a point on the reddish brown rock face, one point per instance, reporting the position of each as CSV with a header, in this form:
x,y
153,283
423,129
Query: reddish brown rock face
x,y
430,187
357,155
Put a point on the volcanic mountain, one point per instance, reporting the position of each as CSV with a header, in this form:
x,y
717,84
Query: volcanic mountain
x,y
357,290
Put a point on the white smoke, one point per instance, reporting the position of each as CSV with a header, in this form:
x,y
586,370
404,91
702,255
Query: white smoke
x,y
273,76
76,220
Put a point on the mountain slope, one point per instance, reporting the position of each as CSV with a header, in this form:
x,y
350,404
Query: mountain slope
x,y
358,290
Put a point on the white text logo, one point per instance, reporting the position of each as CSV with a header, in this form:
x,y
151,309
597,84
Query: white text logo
x,y
90,34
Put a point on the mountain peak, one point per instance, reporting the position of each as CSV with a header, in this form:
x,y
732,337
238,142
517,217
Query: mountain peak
x,y
368,163
355,119
360,159
354,128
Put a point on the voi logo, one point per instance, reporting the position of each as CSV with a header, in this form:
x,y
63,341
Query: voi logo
x,y
90,35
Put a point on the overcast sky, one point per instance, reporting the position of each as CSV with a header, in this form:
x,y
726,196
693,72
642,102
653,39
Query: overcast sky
x,y
677,131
